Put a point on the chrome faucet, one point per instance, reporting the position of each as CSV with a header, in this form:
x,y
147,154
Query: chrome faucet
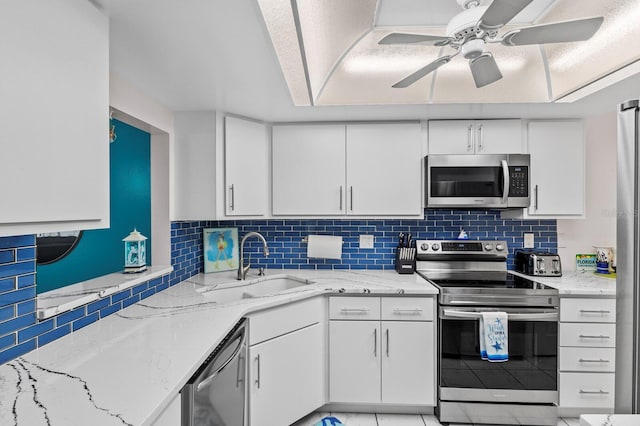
x,y
242,269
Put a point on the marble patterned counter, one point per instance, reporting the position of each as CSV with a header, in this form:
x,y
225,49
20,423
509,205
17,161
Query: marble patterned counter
x,y
574,283
126,368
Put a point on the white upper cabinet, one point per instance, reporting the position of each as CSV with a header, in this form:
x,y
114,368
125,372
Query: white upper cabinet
x,y
384,169
308,170
354,169
245,159
476,137
54,116
557,151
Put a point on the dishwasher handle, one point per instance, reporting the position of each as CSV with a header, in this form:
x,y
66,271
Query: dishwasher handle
x,y
235,353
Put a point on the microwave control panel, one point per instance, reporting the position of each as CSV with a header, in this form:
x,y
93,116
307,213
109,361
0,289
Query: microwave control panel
x,y
518,181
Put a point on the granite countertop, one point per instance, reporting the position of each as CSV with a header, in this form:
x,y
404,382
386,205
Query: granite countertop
x,y
125,369
573,283
610,420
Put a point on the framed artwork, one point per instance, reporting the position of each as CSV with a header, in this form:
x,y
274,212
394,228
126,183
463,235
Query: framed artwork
x,y
220,249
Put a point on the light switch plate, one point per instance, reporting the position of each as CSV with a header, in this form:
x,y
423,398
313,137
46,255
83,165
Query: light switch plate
x,y
529,242
366,241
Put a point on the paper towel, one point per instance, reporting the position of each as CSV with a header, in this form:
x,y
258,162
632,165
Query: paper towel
x,y
324,247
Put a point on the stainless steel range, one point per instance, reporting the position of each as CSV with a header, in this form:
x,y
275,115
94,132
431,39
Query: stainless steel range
x,y
472,278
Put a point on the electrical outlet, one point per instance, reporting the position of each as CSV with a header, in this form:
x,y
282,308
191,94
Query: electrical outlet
x,y
528,240
366,241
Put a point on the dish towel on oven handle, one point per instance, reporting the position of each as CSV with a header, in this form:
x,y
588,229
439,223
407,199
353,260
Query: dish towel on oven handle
x,y
494,339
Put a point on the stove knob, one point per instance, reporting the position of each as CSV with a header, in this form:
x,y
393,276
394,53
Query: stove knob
x,y
424,247
435,246
499,247
488,247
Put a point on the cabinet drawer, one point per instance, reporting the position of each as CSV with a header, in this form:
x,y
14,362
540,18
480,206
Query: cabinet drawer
x,y
588,310
274,322
354,308
585,334
589,390
588,359
407,308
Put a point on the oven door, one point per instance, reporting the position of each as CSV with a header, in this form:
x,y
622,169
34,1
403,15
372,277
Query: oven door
x,y
530,375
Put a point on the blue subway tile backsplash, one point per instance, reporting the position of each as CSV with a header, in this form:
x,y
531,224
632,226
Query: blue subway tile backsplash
x,y
20,332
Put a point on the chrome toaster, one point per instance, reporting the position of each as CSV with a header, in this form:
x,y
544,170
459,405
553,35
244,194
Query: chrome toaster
x,y
538,263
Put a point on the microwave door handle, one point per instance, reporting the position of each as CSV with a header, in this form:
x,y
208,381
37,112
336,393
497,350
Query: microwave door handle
x,y
507,183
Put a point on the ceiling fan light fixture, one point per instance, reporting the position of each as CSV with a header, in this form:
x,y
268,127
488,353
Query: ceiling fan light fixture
x,y
473,48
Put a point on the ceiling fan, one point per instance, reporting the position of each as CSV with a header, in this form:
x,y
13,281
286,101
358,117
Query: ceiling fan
x,y
470,30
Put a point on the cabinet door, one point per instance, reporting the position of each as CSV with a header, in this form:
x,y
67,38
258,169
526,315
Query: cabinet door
x,y
557,168
354,361
499,137
384,169
287,377
309,170
245,164
408,363
451,137
54,116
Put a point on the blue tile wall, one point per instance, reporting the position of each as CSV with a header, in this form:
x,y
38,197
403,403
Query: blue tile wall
x,y
17,295
20,332
287,251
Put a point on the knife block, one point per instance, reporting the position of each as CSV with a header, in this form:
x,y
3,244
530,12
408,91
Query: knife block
x,y
404,266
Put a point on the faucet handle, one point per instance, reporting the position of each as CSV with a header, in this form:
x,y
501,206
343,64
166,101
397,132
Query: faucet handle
x,y
261,272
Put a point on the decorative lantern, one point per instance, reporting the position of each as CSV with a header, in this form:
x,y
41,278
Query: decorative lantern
x,y
135,253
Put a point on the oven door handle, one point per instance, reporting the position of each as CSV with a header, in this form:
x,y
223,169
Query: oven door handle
x,y
545,316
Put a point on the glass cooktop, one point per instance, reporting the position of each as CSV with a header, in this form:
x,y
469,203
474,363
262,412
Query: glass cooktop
x,y
510,281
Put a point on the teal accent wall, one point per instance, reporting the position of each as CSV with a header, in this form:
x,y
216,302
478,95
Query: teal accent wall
x,y
100,252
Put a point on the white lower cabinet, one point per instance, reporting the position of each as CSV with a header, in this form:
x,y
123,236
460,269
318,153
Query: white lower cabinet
x,y
586,356
286,363
374,360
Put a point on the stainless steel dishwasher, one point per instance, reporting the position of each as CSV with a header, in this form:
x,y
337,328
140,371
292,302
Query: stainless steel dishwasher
x,y
215,395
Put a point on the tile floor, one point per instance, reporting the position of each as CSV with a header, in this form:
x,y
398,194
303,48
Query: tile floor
x,y
357,419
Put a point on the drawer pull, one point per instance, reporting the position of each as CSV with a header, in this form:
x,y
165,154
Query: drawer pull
x,y
594,311
354,310
593,360
594,392
584,336
409,311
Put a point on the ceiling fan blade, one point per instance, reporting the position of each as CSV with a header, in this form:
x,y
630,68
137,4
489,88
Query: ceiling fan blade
x,y
500,12
423,39
408,81
485,70
557,32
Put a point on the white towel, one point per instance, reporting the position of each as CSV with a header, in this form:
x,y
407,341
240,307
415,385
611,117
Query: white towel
x,y
494,339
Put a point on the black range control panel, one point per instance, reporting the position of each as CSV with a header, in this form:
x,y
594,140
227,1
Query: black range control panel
x,y
518,181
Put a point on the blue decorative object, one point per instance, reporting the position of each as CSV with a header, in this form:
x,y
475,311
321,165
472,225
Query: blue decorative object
x,y
135,252
329,421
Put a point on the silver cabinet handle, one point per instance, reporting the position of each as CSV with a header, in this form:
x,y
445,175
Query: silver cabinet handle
x,y
387,343
584,336
258,371
410,311
233,201
594,311
354,310
375,343
351,196
535,198
597,392
340,197
480,138
594,360
470,137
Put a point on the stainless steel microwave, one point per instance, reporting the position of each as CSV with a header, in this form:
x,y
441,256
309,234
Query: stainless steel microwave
x,y
477,181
